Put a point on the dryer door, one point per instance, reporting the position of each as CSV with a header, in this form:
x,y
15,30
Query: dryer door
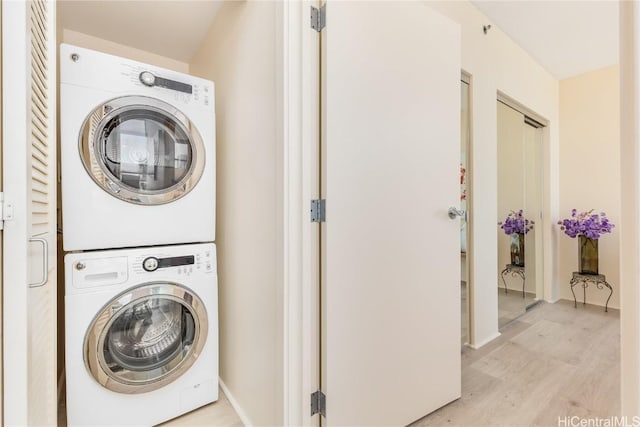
x,y
146,337
141,150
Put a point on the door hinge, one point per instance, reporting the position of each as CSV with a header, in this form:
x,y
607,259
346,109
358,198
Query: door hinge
x,y
318,403
6,211
319,17
318,210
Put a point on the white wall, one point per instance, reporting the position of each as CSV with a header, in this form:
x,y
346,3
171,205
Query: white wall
x,y
496,63
239,54
590,172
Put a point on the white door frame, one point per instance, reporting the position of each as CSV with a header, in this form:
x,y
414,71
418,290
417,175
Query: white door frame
x,y
15,292
300,94
630,223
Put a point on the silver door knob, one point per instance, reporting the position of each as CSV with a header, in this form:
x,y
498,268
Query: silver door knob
x,y
454,212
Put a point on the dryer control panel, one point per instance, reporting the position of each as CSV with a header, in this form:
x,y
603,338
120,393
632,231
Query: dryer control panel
x,y
92,69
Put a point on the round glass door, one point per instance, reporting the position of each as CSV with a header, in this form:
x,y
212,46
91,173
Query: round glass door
x,y
141,150
146,337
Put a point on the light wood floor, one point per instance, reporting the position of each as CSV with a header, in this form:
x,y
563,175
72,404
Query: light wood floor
x,y
553,361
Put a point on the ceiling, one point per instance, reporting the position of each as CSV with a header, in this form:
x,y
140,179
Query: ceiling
x,y
170,28
566,37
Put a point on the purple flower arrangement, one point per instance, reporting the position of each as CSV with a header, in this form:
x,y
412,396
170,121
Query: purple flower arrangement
x,y
588,224
515,222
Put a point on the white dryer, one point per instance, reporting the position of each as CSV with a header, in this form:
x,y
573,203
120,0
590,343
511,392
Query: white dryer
x,y
141,334
138,153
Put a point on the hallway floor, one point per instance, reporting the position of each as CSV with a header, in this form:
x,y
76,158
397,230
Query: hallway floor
x,y
554,361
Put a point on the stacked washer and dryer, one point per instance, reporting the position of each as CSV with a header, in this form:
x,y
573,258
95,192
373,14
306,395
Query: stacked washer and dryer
x,y
138,198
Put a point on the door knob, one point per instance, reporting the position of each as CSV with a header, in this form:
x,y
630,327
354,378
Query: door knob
x,y
454,212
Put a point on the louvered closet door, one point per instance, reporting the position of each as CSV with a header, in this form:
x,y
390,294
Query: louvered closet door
x,y
29,235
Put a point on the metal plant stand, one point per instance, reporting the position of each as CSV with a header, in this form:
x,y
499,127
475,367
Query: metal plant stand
x,y
599,280
515,270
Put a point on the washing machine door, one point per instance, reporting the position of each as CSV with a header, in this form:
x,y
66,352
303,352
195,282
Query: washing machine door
x,y
141,150
146,337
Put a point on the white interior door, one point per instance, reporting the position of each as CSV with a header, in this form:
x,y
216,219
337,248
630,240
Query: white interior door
x,y
29,249
391,255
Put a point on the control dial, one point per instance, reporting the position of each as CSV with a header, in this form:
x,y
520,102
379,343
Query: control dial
x,y
147,78
150,264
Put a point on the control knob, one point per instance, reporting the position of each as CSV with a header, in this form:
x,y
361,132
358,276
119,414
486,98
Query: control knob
x,y
147,78
150,264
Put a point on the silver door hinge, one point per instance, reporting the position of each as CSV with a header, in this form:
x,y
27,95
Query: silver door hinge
x,y
318,403
318,208
6,211
318,17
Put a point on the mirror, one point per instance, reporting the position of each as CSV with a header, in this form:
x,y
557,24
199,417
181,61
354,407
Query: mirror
x,y
519,212
465,139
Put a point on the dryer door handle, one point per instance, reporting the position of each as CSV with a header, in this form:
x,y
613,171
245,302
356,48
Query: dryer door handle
x,y
45,261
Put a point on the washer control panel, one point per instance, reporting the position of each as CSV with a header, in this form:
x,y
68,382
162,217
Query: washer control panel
x,y
183,264
186,264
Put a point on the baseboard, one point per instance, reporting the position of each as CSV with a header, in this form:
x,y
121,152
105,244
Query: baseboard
x,y
485,342
236,406
516,289
533,304
579,303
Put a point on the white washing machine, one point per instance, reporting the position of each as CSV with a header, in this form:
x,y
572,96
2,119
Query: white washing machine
x,y
138,153
141,334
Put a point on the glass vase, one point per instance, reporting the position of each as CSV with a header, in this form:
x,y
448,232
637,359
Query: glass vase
x,y
517,249
588,254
